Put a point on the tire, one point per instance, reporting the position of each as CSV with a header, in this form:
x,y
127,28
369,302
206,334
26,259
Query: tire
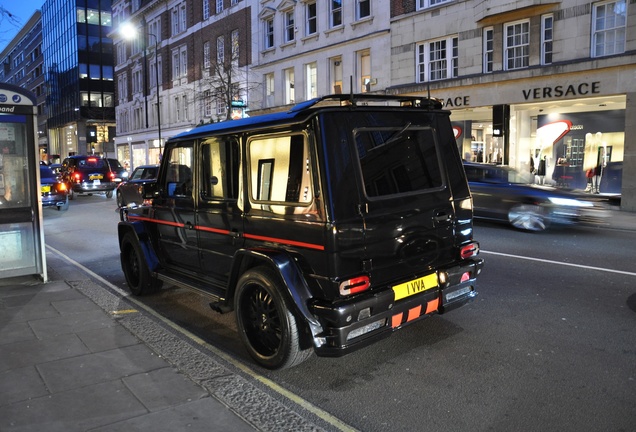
x,y
135,268
120,199
528,217
264,322
109,194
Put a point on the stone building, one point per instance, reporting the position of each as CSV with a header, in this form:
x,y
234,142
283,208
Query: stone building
x,y
528,81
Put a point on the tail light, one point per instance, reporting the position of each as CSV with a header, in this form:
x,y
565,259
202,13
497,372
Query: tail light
x,y
61,187
111,175
77,177
469,250
354,285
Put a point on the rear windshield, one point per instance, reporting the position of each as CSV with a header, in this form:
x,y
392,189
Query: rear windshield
x,y
398,160
91,163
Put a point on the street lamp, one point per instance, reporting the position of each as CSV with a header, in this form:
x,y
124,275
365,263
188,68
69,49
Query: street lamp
x,y
129,32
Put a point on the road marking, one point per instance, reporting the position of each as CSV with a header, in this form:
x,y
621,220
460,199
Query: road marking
x,y
560,263
308,406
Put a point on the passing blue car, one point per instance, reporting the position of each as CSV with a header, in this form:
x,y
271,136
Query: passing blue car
x,y
501,193
53,190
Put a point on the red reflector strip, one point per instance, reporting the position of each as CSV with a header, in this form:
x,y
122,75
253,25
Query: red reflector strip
x,y
432,306
414,313
285,241
396,320
465,277
469,250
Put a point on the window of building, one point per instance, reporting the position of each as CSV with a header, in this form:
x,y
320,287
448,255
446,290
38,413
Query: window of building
x,y
363,9
269,33
335,13
177,108
137,81
220,50
221,108
206,9
219,6
154,73
437,60
121,53
423,4
207,103
269,84
336,74
154,29
311,25
234,37
184,100
179,63
517,45
290,95
609,21
489,49
184,62
122,87
290,26
206,54
364,59
311,80
547,23
179,19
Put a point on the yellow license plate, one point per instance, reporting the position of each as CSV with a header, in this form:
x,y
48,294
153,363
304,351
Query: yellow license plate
x,y
95,177
415,286
46,189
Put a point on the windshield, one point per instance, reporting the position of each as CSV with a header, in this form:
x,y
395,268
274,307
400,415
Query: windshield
x,y
397,160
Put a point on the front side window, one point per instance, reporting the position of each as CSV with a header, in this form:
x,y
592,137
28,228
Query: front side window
x,y
517,45
335,9
178,179
609,22
398,161
437,60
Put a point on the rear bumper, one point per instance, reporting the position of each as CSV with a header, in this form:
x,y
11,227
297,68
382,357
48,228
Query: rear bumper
x,y
57,200
361,321
88,187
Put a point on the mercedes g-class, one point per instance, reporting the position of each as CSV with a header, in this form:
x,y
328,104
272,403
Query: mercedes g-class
x,y
324,228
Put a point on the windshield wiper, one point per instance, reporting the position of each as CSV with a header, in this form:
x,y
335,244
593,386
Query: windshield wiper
x,y
397,135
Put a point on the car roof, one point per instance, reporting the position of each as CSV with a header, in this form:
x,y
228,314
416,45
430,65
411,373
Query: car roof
x,y
302,110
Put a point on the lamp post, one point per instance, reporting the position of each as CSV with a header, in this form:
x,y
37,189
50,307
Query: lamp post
x,y
128,31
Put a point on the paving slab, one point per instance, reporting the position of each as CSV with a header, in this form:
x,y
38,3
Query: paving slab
x,y
32,352
21,384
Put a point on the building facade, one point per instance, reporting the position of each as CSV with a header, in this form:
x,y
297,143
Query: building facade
x,y
78,58
313,48
186,63
22,64
528,81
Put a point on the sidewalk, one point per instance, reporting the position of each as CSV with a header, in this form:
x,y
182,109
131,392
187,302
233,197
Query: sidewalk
x,y
75,356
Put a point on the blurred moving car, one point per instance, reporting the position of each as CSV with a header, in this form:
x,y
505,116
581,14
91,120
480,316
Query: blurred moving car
x,y
131,191
53,189
121,174
88,174
503,194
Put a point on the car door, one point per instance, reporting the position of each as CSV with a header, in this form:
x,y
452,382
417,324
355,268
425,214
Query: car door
x,y
174,210
219,216
405,199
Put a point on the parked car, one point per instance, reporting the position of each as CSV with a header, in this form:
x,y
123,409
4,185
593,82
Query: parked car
x,y
121,173
53,190
504,194
88,175
130,191
325,228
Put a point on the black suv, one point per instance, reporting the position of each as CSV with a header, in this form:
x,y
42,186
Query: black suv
x,y
324,228
88,174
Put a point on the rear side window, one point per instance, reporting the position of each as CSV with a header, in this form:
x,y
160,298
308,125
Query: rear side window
x,y
398,160
220,169
279,169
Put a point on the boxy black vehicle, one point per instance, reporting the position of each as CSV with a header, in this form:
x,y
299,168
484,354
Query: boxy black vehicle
x,y
324,228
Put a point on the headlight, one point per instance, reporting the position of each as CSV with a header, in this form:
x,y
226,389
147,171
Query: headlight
x,y
570,202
